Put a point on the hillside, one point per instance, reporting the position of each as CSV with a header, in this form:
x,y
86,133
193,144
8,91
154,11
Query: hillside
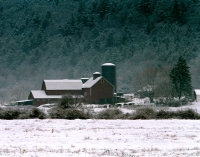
x,y
55,39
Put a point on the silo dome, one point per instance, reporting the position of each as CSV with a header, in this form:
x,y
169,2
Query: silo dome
x,y
108,64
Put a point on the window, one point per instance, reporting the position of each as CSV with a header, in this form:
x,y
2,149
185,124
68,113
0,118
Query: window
x,y
102,81
85,93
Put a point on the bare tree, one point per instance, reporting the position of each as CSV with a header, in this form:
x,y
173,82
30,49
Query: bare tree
x,y
70,101
145,82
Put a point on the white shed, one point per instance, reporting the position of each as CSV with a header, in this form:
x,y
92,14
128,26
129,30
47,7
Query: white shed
x,y
197,94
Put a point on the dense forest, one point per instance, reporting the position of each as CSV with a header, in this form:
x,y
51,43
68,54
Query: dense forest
x,y
58,39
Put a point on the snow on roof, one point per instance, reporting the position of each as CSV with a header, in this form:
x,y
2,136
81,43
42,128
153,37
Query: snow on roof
x,y
91,82
23,100
197,91
129,94
108,64
96,73
63,84
40,94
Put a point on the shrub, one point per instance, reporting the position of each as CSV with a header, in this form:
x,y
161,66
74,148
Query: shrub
x,y
180,114
56,113
187,114
70,113
165,114
37,113
144,113
75,114
110,114
9,113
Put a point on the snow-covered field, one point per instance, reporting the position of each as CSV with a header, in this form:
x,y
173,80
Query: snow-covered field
x,y
99,138
194,105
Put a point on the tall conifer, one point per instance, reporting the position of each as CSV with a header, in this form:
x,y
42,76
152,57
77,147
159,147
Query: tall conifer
x,y
181,79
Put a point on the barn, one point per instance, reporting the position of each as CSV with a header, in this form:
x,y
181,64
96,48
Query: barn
x,y
94,90
39,97
98,90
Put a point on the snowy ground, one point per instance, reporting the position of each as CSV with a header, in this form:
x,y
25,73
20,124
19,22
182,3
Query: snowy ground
x,y
194,105
99,138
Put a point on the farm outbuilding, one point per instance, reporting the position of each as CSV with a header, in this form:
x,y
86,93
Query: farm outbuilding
x,y
197,95
40,97
24,102
96,89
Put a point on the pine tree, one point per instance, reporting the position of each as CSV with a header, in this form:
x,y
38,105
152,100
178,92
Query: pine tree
x,y
181,79
145,8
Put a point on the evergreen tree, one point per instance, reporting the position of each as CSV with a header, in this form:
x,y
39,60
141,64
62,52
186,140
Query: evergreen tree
x,y
145,8
181,79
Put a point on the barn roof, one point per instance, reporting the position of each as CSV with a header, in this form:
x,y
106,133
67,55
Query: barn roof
x,y
63,84
91,82
40,94
197,91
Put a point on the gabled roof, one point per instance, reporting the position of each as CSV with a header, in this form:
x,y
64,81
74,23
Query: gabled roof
x,y
91,82
40,94
63,84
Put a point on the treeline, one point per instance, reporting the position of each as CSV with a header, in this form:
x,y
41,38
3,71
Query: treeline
x,y
55,39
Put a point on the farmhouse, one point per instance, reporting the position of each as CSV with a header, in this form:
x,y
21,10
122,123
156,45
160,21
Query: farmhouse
x,y
96,89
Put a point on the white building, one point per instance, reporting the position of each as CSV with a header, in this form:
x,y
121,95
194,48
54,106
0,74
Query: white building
x,y
197,94
129,96
138,101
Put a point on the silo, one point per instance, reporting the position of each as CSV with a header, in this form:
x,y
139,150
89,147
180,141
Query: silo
x,y
108,71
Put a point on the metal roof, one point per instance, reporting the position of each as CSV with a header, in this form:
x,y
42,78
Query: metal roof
x,y
63,84
40,94
91,82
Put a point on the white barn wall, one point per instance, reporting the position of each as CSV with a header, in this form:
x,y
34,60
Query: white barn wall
x,y
197,94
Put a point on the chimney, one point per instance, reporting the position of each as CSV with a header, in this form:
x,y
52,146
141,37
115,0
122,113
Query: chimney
x,y
96,74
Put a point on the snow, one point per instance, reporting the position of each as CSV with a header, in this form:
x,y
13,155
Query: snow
x,y
100,138
108,64
194,105
197,91
89,138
